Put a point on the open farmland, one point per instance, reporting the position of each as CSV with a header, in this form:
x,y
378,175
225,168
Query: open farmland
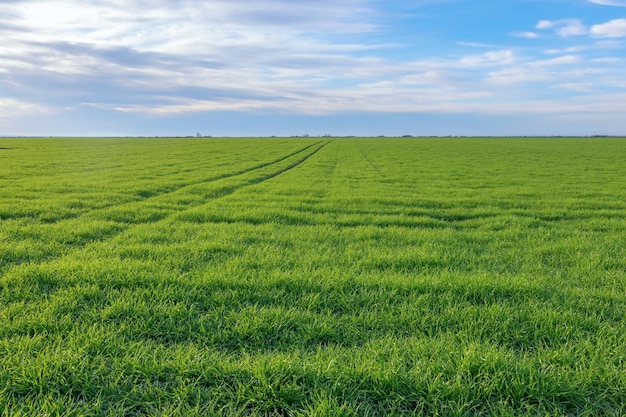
x,y
313,277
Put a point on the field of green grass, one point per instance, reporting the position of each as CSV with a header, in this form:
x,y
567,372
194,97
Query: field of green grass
x,y
313,277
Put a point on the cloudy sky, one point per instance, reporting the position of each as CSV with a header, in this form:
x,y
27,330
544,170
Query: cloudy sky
x,y
285,67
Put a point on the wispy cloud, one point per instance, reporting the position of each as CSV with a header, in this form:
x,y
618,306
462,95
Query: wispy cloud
x,y
476,44
580,87
221,50
160,58
185,26
491,58
10,108
613,29
568,50
527,35
617,3
564,27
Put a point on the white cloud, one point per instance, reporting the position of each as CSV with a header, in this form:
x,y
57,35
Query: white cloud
x,y
164,58
580,87
134,51
429,78
476,44
503,57
182,27
563,27
562,69
617,3
607,44
608,60
567,50
10,108
527,35
544,24
574,27
561,60
516,76
613,29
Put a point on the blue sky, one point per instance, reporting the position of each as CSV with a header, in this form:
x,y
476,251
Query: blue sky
x,y
340,67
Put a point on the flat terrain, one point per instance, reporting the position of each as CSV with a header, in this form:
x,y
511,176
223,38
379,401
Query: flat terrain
x,y
313,277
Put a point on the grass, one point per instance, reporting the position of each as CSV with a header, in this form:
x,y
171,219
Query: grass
x,y
313,277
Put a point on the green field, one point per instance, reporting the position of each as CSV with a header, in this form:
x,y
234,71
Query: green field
x,y
313,277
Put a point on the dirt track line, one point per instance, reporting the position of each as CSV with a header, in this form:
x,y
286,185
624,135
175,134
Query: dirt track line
x,y
232,189
207,180
224,192
294,165
183,185
367,158
229,190
245,171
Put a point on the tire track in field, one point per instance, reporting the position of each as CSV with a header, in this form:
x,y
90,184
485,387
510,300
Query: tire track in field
x,y
228,190
216,178
217,194
75,240
179,187
294,165
254,168
205,181
368,159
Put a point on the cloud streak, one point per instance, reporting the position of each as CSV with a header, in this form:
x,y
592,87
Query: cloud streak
x,y
563,27
613,29
616,3
157,58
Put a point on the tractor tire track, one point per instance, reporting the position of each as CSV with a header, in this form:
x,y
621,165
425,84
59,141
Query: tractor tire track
x,y
182,185
220,192
368,159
